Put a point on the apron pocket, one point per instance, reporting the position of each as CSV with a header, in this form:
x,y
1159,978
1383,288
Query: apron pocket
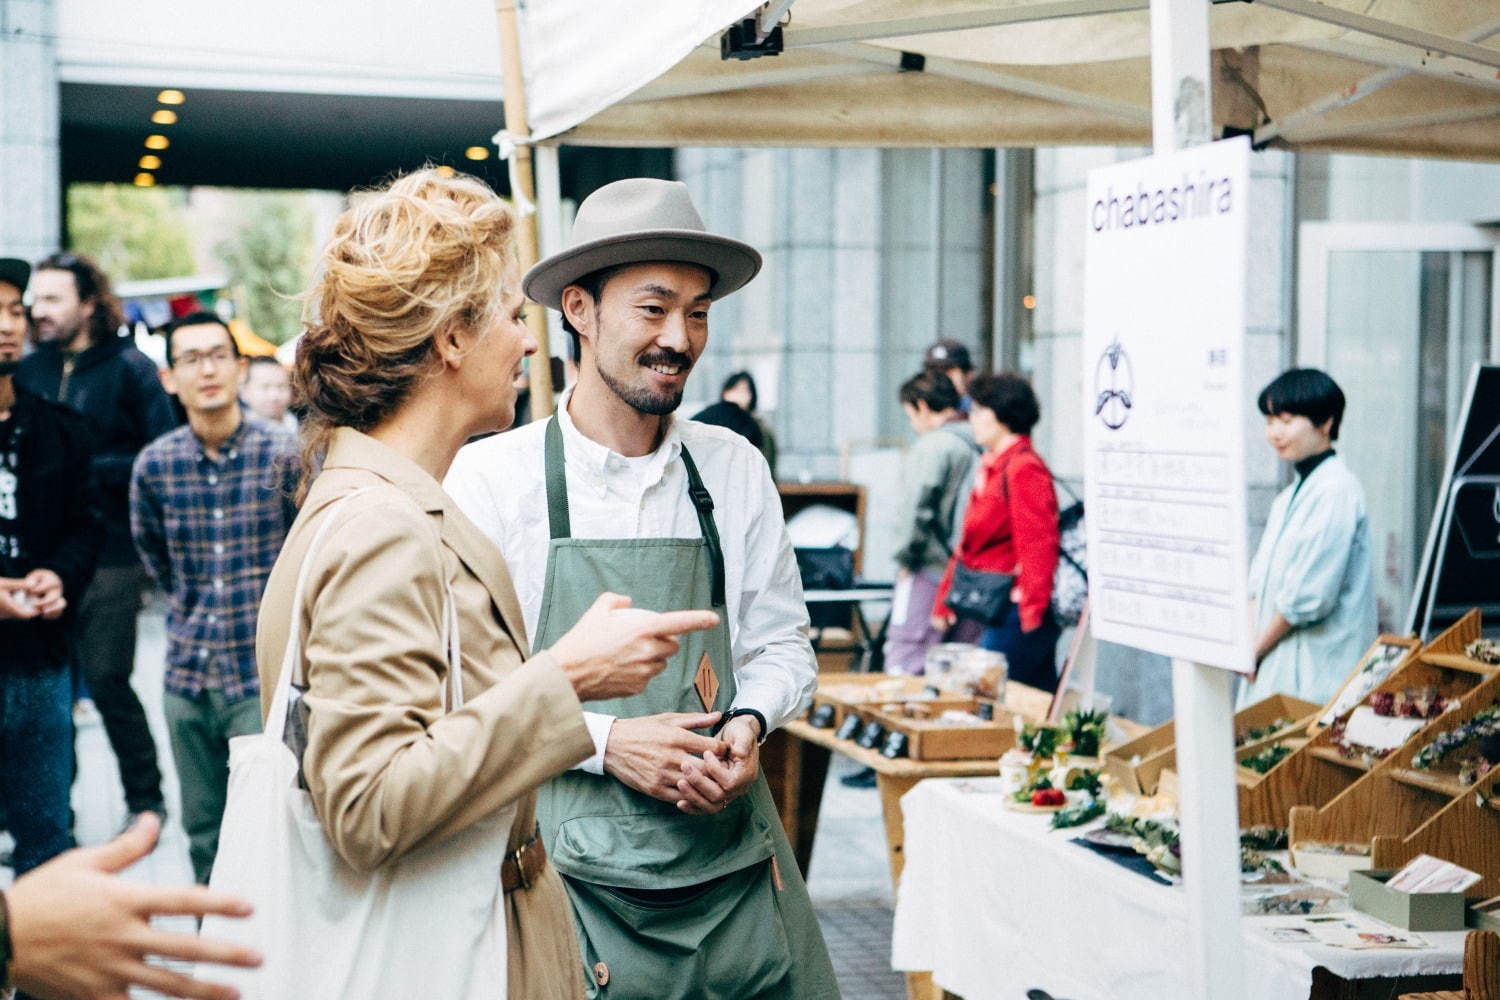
x,y
725,942
665,850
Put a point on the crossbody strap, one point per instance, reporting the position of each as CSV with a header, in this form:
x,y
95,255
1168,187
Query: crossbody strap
x,y
291,658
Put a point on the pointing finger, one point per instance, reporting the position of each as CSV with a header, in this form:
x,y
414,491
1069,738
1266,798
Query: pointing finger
x,y
678,622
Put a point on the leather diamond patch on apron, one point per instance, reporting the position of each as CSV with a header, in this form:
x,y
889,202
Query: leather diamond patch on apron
x,y
707,682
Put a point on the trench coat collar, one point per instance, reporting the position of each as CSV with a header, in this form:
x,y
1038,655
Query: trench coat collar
x,y
350,449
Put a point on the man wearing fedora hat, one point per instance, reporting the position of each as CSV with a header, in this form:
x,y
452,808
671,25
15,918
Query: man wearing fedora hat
x,y
682,882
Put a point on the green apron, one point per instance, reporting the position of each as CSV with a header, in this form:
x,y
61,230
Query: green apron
x,y
741,924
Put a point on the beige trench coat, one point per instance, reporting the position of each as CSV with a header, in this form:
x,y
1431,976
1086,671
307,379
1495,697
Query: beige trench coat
x,y
387,768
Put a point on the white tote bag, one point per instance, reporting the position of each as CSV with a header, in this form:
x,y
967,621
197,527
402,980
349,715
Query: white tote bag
x,y
431,924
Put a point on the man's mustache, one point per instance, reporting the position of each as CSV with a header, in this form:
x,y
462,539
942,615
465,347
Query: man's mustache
x,y
676,358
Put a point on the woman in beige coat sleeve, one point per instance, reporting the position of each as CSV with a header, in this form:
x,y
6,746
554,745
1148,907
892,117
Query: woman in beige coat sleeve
x,y
413,344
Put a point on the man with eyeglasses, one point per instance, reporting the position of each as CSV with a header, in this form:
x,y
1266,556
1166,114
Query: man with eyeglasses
x,y
210,505
83,362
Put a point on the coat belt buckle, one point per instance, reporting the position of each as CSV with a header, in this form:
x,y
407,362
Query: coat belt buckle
x,y
518,856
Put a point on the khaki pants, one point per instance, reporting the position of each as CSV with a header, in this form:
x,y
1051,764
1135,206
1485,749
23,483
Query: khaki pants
x,y
201,729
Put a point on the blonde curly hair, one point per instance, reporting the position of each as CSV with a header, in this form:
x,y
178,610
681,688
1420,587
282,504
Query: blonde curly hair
x,y
405,262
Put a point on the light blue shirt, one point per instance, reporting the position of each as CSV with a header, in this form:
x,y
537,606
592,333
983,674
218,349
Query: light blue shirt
x,y
1313,566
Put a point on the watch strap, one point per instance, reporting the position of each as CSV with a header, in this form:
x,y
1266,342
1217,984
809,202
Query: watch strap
x,y
765,730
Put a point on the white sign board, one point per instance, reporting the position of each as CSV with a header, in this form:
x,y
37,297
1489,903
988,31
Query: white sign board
x,y
1164,403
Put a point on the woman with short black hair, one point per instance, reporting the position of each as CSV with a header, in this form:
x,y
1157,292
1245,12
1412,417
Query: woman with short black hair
x,y
1010,530
1311,586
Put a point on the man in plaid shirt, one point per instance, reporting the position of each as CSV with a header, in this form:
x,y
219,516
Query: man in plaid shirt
x,y
210,504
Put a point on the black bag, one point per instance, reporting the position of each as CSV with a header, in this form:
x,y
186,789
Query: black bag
x,y
826,569
829,568
978,595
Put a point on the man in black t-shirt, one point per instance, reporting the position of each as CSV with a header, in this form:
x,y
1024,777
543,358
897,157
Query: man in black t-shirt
x,y
49,541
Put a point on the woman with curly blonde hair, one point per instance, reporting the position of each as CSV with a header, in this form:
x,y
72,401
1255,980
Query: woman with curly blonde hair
x,y
413,341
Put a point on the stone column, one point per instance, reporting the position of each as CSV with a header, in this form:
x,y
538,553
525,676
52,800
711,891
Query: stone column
x,y
30,180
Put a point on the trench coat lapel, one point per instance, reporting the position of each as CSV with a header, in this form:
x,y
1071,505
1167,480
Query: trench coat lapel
x,y
351,449
485,562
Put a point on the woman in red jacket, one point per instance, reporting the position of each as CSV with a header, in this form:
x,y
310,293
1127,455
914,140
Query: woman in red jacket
x,y
1010,528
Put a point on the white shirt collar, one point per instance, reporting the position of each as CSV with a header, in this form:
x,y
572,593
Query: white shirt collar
x,y
598,462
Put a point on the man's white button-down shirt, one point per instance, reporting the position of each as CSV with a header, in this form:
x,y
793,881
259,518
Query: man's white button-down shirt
x,y
499,483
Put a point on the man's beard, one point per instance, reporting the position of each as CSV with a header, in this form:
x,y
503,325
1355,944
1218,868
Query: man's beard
x,y
643,399
62,333
8,367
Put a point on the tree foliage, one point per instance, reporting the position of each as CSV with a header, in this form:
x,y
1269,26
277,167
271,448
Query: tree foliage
x,y
268,259
133,233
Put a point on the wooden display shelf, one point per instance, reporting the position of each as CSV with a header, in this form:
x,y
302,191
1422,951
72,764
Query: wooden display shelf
x,y
1439,783
1394,650
1458,661
1393,800
1465,831
1333,756
1318,773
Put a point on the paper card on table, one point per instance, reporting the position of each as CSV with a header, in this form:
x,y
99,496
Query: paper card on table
x,y
900,601
1290,935
1425,873
1380,732
707,682
1387,939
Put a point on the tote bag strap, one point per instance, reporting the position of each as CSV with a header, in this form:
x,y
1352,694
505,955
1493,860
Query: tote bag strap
x,y
292,657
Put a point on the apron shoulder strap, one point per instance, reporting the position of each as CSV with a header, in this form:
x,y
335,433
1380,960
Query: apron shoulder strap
x,y
557,482
703,502
560,524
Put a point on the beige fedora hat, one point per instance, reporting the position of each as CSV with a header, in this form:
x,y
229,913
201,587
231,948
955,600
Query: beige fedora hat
x,y
637,221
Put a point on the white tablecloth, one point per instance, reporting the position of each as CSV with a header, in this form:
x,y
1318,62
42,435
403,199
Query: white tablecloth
x,y
992,903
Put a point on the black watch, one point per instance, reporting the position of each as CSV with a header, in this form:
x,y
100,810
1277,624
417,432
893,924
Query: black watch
x,y
765,730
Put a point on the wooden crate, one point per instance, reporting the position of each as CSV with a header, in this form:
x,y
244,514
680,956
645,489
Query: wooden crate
x,y
1138,764
1266,711
932,739
1386,798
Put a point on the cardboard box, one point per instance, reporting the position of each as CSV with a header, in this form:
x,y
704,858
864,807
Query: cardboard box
x,y
1412,911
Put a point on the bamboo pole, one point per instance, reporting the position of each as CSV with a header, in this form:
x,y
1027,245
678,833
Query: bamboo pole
x,y
523,193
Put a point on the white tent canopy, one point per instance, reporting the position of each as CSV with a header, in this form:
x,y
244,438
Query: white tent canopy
x,y
1412,77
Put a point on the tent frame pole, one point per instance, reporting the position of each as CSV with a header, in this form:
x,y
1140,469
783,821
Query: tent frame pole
x,y
1209,803
1415,37
1454,116
523,193
1364,88
936,23
1455,71
753,79
983,76
770,16
550,238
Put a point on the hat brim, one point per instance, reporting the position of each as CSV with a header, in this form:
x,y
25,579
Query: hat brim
x,y
733,263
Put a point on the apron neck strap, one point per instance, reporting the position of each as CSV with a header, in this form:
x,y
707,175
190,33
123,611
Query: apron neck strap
x,y
560,524
703,503
557,482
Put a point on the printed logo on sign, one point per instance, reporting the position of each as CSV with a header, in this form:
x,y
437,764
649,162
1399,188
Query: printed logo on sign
x,y
1114,384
